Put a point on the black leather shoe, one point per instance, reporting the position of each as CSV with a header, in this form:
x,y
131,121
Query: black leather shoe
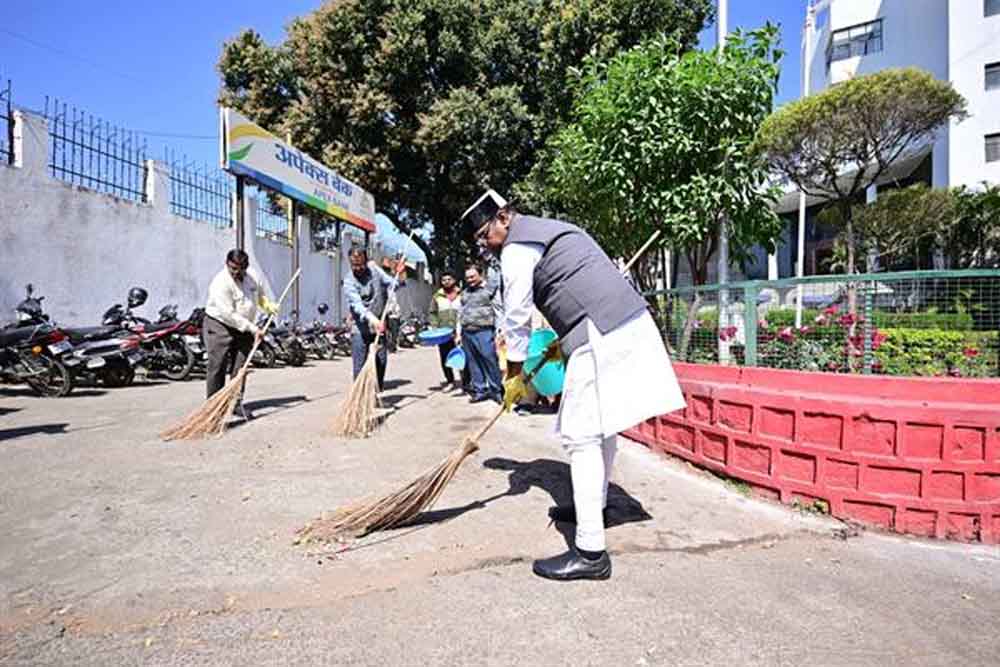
x,y
571,565
567,514
479,399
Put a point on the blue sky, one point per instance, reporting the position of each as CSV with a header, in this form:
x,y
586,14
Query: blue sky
x,y
151,66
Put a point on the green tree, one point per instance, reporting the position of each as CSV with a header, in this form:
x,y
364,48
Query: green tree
x,y
835,144
899,225
664,140
973,240
424,102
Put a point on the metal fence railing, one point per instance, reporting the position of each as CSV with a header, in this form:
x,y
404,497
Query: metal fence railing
x,y
200,193
92,153
915,323
272,219
6,123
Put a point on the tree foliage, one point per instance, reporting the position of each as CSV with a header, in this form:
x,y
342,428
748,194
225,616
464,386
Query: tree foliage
x,y
896,228
424,102
973,240
664,140
837,143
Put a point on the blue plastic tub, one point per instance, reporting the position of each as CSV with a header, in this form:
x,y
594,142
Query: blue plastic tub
x,y
455,359
438,336
551,377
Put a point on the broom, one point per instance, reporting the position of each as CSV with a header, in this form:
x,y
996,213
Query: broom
x,y
210,418
360,412
397,508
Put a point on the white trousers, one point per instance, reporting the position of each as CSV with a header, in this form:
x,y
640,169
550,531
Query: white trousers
x,y
591,454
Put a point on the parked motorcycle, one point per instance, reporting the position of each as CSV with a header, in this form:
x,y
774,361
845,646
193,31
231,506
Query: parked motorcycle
x,y
30,351
163,346
410,329
280,343
316,338
190,331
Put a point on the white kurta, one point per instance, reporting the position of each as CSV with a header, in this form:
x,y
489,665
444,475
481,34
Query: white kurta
x,y
633,377
629,365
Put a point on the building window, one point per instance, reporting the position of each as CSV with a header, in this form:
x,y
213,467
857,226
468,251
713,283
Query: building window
x,y
991,7
858,40
993,76
993,147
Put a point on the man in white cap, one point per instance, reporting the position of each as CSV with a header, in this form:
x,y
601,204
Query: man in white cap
x,y
618,372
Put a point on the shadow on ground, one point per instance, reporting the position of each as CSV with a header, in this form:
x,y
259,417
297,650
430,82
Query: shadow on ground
x,y
552,477
21,431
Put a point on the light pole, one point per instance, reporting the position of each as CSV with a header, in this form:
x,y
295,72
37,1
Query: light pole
x,y
801,249
723,259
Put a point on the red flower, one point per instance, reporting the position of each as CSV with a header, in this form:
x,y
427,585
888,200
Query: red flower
x,y
832,310
727,333
787,334
970,352
846,320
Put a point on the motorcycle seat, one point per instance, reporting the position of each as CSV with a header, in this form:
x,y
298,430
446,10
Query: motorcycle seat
x,y
10,337
278,331
80,334
151,328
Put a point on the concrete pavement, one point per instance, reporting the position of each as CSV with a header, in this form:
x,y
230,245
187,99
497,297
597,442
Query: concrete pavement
x,y
117,548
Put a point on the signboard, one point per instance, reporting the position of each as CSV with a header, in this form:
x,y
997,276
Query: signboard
x,y
251,151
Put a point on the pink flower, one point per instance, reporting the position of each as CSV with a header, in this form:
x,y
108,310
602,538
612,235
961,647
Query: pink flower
x,y
727,333
787,334
878,338
970,352
954,372
803,330
832,310
822,320
762,323
846,320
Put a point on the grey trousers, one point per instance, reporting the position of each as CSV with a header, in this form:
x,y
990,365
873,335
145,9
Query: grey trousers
x,y
226,350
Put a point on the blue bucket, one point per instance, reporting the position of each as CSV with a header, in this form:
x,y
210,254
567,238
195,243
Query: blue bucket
x,y
455,359
438,336
550,378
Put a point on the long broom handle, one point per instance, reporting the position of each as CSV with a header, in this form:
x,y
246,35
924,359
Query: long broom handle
x,y
269,322
531,376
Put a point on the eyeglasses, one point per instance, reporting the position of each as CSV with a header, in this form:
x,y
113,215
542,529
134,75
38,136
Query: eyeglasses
x,y
483,231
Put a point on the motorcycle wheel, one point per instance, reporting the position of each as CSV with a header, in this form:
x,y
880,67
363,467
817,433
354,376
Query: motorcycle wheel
x,y
118,376
50,377
329,351
265,356
296,355
181,361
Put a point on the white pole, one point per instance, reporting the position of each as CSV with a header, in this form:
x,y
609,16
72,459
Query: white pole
x,y
801,250
723,258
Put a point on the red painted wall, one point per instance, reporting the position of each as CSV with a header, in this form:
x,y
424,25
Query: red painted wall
x,y
914,455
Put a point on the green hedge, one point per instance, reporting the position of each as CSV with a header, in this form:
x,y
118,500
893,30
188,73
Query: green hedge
x,y
785,317
925,352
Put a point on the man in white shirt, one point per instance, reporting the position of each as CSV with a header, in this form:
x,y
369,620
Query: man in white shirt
x,y
229,327
618,373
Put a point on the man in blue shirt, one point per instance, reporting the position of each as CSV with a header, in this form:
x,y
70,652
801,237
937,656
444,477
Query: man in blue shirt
x,y
367,288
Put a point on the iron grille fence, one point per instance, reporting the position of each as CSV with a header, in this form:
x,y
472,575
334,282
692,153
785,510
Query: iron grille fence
x,y
272,219
94,154
200,193
914,323
6,124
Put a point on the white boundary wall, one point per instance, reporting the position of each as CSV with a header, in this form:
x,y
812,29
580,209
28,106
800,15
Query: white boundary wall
x,y
83,250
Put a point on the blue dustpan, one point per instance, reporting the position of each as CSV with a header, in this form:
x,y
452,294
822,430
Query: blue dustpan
x,y
455,359
549,380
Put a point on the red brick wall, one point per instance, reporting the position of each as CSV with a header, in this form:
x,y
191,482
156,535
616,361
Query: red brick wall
x,y
914,455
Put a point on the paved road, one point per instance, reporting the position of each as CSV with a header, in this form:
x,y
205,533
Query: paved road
x,y
116,548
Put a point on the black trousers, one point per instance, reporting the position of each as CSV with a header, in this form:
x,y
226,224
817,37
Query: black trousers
x,y
226,351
